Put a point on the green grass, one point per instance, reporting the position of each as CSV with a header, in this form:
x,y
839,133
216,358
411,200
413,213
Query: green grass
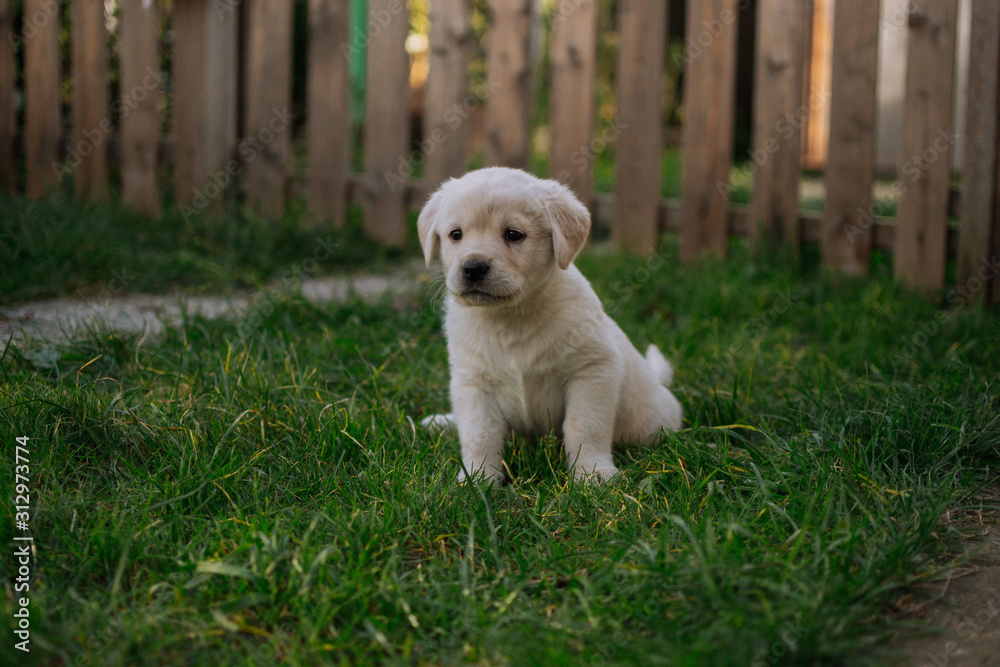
x,y
229,495
55,247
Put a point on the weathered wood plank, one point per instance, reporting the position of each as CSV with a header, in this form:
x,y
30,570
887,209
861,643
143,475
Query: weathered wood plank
x,y
447,102
928,130
709,99
850,172
139,105
572,102
189,101
783,27
221,94
642,25
508,67
979,220
42,96
267,105
386,130
8,100
329,128
92,125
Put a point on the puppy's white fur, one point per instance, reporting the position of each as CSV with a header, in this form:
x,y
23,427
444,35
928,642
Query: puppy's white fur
x,y
529,344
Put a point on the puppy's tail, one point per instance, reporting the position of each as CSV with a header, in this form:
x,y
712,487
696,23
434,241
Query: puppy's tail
x,y
662,369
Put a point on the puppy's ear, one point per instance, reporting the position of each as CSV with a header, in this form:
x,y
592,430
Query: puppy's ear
x,y
570,222
430,241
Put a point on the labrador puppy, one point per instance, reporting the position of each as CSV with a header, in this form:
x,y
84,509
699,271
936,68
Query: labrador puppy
x,y
530,347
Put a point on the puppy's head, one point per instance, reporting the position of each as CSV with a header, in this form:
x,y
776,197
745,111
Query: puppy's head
x,y
501,232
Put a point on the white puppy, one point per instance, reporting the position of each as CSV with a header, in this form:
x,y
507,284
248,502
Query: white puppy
x,y
530,347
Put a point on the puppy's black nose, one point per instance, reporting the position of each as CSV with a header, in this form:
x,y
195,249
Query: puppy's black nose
x,y
475,270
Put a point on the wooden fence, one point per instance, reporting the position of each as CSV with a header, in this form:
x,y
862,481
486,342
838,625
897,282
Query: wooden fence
x,y
229,91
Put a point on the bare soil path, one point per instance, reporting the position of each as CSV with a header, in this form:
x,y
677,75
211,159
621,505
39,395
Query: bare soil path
x,y
964,607
56,320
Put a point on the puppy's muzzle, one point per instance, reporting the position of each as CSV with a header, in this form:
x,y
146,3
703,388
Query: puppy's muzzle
x,y
475,271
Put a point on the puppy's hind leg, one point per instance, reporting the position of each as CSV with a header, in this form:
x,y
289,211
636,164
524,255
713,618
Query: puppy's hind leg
x,y
439,423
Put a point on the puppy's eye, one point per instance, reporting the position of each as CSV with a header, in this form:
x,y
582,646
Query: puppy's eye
x,y
513,235
455,235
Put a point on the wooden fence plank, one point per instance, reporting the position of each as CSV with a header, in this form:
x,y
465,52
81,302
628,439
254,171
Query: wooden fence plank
x,y
8,99
709,99
386,130
267,106
978,225
508,68
574,67
783,27
189,101
221,93
641,27
205,101
925,173
92,125
329,128
42,96
139,105
850,171
447,103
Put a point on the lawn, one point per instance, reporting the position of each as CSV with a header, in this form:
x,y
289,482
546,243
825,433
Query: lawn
x,y
229,495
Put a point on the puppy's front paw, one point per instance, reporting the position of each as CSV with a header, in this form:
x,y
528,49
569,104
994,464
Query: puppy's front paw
x,y
595,474
493,479
438,423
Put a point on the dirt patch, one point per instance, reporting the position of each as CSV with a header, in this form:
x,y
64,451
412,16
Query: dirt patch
x,y
961,612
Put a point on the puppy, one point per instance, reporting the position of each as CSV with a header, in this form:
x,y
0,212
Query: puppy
x,y
530,347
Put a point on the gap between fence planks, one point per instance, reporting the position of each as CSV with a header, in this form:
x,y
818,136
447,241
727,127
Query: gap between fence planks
x,y
387,128
328,114
92,124
979,240
850,171
574,70
783,27
8,115
42,96
709,101
928,135
508,73
642,25
266,148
